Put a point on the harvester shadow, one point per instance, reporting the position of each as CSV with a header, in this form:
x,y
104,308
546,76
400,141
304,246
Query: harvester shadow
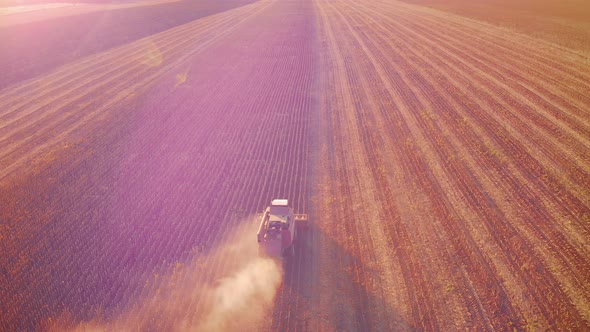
x,y
313,297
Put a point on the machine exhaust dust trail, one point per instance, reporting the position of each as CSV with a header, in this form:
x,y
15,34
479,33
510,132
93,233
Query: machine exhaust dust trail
x,y
230,288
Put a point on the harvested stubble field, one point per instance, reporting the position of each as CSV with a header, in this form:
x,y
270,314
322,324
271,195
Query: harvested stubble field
x,y
565,22
444,162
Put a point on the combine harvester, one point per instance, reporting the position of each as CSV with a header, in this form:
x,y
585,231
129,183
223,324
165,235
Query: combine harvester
x,y
278,229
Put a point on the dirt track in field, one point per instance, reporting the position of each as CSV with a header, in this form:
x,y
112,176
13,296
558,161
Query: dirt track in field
x,y
444,164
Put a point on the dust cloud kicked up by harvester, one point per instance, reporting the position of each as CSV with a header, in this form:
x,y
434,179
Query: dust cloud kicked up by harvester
x,y
228,289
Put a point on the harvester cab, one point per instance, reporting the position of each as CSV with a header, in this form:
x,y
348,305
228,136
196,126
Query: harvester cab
x,y
278,229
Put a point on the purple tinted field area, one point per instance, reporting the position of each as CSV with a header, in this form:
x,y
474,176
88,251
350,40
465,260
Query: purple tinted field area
x,y
162,176
441,160
35,48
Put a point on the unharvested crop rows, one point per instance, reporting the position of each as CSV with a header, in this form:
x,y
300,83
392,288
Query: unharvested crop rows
x,y
494,147
65,124
250,146
260,136
258,149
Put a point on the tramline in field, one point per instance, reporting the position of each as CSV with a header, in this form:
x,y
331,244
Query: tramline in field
x,y
278,229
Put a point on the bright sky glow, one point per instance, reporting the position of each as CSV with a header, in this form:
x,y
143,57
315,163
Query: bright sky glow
x,y
29,8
